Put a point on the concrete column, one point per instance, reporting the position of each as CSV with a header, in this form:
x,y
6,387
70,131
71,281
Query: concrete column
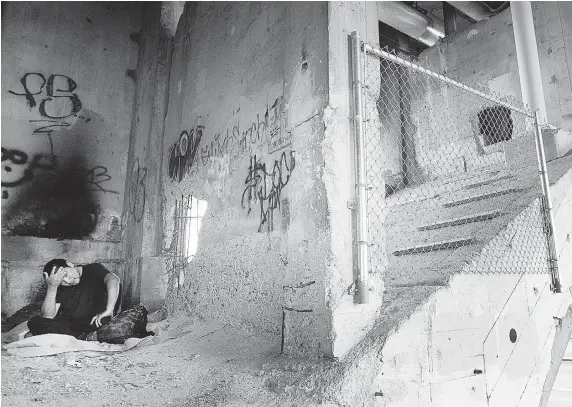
x,y
144,280
527,57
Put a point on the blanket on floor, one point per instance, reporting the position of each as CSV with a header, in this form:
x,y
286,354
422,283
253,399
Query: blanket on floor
x,y
53,344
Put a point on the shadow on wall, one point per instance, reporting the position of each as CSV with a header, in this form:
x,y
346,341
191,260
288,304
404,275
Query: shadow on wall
x,y
59,205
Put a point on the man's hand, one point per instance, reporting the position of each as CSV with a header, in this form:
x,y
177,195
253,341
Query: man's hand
x,y
97,319
55,279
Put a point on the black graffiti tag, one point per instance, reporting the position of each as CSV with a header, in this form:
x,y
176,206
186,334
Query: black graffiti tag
x,y
182,154
265,188
58,87
238,139
17,157
94,178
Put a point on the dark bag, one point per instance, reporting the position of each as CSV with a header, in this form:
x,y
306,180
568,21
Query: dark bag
x,y
131,323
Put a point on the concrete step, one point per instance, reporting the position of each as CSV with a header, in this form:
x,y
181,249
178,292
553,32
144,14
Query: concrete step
x,y
433,246
431,268
479,217
489,181
481,197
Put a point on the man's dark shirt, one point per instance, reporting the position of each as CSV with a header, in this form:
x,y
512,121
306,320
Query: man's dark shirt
x,y
86,299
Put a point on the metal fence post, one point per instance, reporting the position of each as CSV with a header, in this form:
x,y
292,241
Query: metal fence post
x,y
362,292
548,212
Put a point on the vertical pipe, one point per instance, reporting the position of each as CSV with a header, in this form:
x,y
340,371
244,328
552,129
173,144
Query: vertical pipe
x,y
527,57
363,266
548,212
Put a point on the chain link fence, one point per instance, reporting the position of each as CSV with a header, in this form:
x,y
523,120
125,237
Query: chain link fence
x,y
452,177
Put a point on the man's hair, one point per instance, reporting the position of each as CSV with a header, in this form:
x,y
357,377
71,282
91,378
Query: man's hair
x,y
55,262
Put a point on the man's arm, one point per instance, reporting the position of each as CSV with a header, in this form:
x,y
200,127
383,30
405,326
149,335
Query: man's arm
x,y
112,281
49,306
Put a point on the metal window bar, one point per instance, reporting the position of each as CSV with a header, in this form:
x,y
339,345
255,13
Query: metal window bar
x,y
187,225
426,110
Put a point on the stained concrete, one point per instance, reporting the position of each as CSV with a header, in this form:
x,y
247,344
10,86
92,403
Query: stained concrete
x,y
64,145
248,86
145,267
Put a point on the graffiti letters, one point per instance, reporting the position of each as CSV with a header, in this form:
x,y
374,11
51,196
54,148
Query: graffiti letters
x,y
238,139
182,154
264,187
137,191
18,169
59,101
55,100
94,178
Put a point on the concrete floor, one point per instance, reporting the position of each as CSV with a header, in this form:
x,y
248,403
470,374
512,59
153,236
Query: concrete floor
x,y
211,366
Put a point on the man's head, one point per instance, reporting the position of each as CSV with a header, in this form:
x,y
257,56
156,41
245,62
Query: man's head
x,y
71,272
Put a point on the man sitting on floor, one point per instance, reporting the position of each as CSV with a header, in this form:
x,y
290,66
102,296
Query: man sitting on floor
x,y
80,301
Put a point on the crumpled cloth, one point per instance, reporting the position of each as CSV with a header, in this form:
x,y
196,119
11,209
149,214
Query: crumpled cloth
x,y
53,344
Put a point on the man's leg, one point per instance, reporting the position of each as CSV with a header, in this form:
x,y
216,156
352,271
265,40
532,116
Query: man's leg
x,y
57,325
60,325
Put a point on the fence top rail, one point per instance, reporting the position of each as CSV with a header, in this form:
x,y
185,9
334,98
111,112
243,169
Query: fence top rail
x,y
394,58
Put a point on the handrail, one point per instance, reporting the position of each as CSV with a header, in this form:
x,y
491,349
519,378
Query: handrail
x,y
394,58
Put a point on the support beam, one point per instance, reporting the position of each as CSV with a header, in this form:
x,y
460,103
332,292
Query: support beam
x,y
450,18
527,57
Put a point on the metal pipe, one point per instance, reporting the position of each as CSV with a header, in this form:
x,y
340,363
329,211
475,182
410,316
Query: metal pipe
x,y
548,212
409,21
362,289
472,9
394,58
527,57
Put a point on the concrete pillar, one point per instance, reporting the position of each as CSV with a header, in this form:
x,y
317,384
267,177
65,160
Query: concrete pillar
x,y
527,57
144,276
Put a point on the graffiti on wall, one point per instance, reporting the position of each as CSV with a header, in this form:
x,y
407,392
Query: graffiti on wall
x,y
265,128
137,191
182,154
54,100
19,169
59,101
264,186
60,203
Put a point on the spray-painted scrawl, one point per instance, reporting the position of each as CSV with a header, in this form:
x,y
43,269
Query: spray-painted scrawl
x,y
182,154
264,187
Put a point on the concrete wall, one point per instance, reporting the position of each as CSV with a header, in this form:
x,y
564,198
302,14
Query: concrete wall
x,y
66,109
247,90
447,139
351,321
486,54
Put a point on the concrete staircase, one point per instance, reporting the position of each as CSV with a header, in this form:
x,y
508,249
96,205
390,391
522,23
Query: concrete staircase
x,y
467,310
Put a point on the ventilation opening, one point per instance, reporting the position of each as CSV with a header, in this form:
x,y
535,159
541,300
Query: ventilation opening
x,y
495,124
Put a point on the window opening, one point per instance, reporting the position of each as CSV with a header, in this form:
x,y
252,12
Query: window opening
x,y
189,212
